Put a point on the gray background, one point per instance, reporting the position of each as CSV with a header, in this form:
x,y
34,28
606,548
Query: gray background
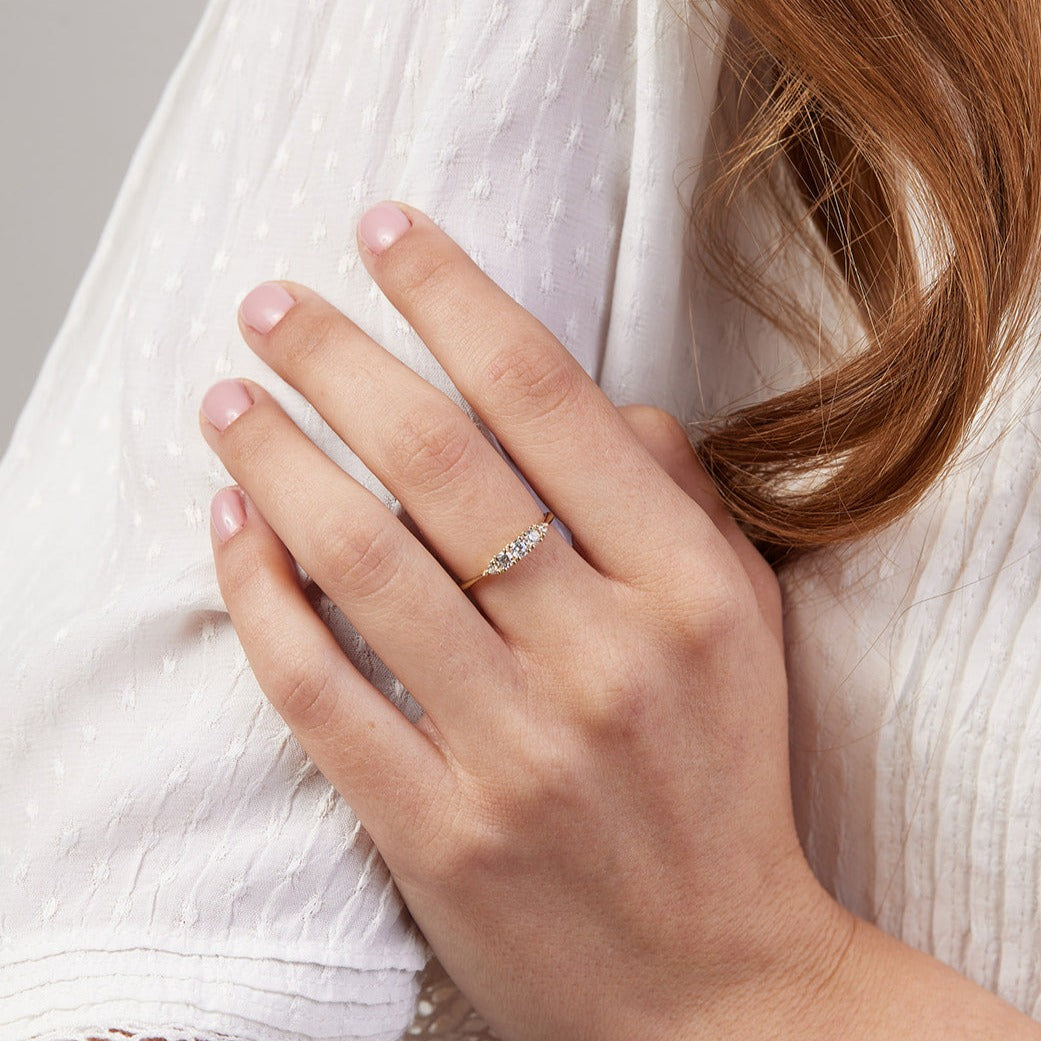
x,y
78,83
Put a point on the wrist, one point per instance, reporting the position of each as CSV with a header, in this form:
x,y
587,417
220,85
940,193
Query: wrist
x,y
840,976
792,981
801,990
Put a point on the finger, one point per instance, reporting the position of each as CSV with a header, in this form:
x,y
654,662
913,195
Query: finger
x,y
464,499
664,437
384,767
559,428
401,601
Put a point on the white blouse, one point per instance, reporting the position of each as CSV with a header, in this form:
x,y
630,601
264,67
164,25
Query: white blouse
x,y
171,864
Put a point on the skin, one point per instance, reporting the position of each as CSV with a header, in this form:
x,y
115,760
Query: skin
x,y
592,822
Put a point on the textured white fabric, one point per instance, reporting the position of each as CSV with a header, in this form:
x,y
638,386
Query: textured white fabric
x,y
170,863
915,658
914,661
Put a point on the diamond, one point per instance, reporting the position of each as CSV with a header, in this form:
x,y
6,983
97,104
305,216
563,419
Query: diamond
x,y
519,548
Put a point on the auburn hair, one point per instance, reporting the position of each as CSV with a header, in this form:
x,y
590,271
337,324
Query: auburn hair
x,y
908,132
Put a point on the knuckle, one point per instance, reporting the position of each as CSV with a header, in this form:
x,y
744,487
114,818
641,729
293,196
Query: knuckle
x,y
305,334
426,273
480,848
655,424
306,696
620,703
550,778
530,376
364,561
465,839
431,823
431,453
261,452
243,569
254,440
703,593
717,610
653,420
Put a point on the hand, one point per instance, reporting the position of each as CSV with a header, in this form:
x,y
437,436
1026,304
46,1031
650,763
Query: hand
x,y
592,821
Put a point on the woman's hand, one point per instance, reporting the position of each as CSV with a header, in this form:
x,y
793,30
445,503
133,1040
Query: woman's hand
x,y
592,822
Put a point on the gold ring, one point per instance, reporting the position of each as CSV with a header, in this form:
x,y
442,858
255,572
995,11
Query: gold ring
x,y
520,547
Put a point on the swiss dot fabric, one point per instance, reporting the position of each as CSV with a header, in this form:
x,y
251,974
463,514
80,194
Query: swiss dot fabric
x,y
171,864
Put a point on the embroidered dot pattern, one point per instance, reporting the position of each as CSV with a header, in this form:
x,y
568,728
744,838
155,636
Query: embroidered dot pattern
x,y
176,865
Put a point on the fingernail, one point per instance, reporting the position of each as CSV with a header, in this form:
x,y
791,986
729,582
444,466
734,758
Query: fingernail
x,y
382,226
227,512
264,307
224,402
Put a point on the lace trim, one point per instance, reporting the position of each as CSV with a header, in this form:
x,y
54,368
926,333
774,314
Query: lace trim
x,y
114,1034
444,1013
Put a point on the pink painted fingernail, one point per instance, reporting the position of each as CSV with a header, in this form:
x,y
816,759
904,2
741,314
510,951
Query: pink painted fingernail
x,y
227,512
382,226
224,402
264,307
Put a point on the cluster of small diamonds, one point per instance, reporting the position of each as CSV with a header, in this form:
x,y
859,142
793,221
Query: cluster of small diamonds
x,y
521,546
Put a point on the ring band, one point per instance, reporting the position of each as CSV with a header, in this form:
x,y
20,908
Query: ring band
x,y
520,547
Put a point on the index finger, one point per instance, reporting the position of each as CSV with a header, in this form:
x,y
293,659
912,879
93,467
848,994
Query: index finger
x,y
557,426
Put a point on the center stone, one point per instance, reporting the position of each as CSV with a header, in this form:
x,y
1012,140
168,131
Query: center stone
x,y
518,548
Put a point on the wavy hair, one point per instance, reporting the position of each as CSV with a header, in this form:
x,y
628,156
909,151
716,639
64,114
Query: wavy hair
x,y
908,132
